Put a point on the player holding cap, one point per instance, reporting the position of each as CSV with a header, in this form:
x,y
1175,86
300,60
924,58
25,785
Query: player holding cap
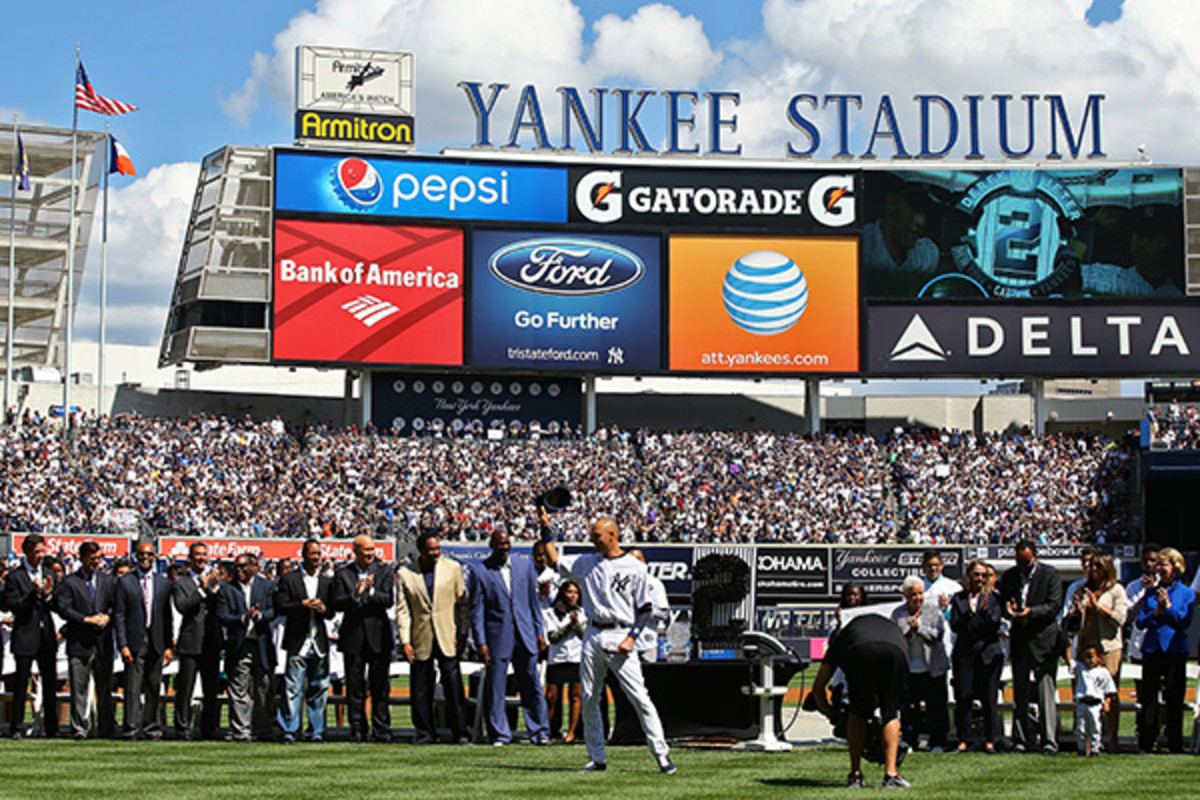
x,y
616,598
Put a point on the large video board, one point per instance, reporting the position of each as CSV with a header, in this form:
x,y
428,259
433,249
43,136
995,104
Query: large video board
x,y
976,235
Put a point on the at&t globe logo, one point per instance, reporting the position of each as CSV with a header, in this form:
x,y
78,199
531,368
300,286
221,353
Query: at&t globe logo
x,y
357,183
765,293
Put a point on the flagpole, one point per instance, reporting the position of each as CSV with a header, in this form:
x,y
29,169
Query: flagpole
x,y
12,276
100,394
71,255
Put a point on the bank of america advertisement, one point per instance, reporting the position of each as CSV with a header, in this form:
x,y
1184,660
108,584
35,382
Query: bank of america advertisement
x,y
565,301
367,294
750,304
419,187
1011,234
1029,338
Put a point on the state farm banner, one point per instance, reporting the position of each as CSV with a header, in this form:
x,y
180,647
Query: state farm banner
x,y
367,294
1032,338
110,546
566,301
176,548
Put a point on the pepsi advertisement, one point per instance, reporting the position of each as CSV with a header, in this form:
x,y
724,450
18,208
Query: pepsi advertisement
x,y
419,187
566,301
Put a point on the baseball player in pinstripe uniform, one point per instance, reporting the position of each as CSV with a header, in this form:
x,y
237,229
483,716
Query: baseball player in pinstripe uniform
x,y
617,601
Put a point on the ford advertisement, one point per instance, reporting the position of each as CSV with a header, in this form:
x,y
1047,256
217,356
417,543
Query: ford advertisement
x,y
565,301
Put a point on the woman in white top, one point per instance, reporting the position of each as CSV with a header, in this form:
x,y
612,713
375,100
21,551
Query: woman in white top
x,y
565,622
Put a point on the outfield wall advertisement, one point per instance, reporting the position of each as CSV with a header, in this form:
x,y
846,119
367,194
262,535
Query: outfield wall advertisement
x,y
1089,339
763,304
566,302
367,294
415,187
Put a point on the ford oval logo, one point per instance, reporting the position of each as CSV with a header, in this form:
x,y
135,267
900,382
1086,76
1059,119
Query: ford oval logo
x,y
566,266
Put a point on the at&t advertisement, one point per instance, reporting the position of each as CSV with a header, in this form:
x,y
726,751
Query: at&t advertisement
x,y
367,294
565,301
763,304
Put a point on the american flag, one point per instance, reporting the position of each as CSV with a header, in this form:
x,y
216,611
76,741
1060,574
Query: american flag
x,y
87,98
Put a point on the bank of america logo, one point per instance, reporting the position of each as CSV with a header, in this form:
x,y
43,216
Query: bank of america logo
x,y
918,343
370,310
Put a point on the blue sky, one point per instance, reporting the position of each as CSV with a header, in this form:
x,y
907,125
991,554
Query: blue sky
x,y
219,72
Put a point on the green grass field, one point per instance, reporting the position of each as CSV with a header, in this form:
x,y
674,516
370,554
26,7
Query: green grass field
x,y
49,770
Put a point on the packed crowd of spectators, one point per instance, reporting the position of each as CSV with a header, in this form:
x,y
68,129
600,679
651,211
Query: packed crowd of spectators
x,y
1175,427
241,477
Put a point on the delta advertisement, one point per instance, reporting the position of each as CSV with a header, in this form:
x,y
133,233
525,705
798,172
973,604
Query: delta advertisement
x,y
432,405
973,235
364,293
419,187
1089,339
759,304
792,201
566,301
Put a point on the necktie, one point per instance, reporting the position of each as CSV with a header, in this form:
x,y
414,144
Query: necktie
x,y
147,592
91,582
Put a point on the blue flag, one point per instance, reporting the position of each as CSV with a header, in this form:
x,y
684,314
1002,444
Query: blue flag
x,y
22,175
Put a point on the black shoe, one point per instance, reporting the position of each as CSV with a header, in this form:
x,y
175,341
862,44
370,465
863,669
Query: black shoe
x,y
666,766
594,766
855,781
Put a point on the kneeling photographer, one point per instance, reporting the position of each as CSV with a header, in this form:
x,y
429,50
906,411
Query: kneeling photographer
x,y
872,653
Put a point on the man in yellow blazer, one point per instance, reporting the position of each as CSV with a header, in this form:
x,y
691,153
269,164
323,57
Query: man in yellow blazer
x,y
431,619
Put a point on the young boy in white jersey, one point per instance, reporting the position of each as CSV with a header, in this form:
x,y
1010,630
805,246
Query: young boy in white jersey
x,y
1094,692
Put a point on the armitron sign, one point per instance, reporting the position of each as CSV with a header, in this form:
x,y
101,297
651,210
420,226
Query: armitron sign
x,y
362,96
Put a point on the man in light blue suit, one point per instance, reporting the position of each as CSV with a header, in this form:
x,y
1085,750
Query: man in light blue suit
x,y
508,629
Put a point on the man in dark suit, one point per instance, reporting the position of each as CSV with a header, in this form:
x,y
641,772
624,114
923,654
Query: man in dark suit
x,y
1031,593
28,593
363,592
507,625
302,598
144,636
198,643
431,617
85,600
246,608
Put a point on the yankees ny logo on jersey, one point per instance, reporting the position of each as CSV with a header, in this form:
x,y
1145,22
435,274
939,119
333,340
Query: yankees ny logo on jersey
x,y
620,583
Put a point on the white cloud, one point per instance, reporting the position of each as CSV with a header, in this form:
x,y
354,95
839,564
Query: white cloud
x,y
146,226
515,42
657,46
1145,62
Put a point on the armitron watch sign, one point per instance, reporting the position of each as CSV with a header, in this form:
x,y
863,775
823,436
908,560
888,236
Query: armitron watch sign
x,y
361,96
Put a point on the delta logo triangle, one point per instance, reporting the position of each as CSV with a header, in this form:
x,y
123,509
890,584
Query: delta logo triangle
x,y
918,343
